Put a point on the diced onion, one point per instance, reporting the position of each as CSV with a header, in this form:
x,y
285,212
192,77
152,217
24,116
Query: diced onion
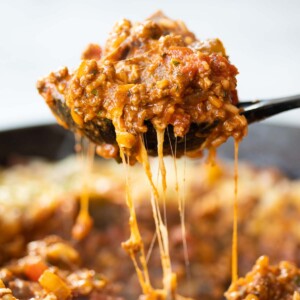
x,y
54,284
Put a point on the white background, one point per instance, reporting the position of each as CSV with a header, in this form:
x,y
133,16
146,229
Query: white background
x,y
38,36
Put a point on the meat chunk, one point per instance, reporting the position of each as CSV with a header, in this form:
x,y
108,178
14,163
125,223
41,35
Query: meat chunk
x,y
266,282
51,270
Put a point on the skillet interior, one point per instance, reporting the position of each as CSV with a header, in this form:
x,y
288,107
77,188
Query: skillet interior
x,y
265,145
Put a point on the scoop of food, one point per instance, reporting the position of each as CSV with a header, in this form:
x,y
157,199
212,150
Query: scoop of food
x,y
153,76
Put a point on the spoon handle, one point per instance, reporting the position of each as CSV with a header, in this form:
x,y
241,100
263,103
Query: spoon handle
x,y
258,110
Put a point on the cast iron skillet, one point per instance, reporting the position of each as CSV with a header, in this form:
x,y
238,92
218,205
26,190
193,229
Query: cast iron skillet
x,y
265,145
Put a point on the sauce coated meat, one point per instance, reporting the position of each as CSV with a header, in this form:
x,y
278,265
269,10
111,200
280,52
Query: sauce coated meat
x,y
269,210
153,72
51,270
265,282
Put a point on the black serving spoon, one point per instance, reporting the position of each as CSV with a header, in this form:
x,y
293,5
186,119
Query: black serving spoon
x,y
258,110
102,130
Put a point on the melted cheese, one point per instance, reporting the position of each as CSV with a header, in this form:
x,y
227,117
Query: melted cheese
x,y
86,152
162,168
180,200
181,206
235,216
2,284
169,278
134,245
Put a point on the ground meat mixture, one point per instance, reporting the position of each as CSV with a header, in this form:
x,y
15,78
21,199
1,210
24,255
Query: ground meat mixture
x,y
152,73
266,282
269,211
51,270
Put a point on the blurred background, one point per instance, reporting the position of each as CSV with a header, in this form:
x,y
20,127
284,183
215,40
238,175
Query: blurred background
x,y
39,36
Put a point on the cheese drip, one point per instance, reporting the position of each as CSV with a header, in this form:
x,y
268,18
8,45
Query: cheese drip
x,y
169,278
235,216
86,152
162,168
2,286
181,204
181,209
134,245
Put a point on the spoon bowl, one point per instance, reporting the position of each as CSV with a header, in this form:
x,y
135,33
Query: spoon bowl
x,y
101,130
